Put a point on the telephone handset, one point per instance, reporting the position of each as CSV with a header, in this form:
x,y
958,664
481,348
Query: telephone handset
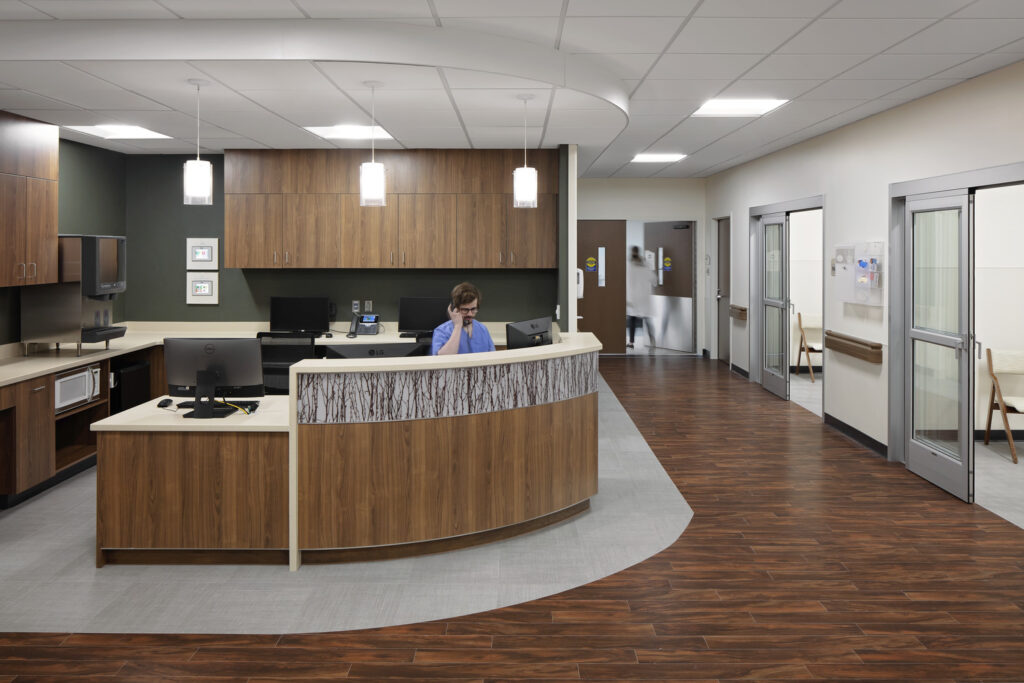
x,y
367,323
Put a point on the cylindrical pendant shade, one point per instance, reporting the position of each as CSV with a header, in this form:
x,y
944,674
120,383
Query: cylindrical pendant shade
x,y
371,184
198,182
524,188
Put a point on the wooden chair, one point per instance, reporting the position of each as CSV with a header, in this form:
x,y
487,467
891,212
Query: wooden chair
x,y
805,348
1012,405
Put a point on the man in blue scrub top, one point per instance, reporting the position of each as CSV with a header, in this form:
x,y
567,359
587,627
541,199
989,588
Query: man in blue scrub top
x,y
462,334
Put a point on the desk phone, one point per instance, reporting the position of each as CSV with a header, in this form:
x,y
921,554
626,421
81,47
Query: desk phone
x,y
368,323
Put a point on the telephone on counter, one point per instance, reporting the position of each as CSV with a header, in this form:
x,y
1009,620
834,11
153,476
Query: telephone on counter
x,y
366,323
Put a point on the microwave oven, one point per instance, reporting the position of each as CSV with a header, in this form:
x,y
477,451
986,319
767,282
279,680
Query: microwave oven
x,y
76,387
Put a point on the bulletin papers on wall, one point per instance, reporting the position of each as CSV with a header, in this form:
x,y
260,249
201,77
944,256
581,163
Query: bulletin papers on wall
x,y
858,272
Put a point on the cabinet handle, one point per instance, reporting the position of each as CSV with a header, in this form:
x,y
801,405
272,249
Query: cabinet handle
x,y
392,258
275,256
35,269
286,257
24,272
513,255
403,258
39,388
500,259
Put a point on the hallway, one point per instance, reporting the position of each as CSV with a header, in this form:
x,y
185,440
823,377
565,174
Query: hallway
x,y
808,557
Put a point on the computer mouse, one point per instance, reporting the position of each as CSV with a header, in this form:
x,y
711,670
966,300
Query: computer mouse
x,y
164,403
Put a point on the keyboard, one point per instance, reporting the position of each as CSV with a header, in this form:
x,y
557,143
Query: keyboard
x,y
248,406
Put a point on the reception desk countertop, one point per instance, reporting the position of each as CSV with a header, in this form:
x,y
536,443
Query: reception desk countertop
x,y
270,416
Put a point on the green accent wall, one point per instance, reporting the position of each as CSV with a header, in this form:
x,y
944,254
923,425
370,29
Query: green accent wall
x,y
91,201
158,223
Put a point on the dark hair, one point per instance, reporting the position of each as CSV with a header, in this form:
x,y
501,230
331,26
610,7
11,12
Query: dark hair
x,y
464,293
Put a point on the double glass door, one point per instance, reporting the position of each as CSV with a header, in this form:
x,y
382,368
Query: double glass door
x,y
775,305
939,372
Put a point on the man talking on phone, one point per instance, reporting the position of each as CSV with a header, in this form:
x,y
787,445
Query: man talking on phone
x,y
462,333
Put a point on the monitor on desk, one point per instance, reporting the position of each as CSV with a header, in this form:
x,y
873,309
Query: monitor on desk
x,y
205,368
527,333
300,314
418,316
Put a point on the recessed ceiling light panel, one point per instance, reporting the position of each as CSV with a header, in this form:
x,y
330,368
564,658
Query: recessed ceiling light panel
x,y
349,132
119,132
652,158
743,108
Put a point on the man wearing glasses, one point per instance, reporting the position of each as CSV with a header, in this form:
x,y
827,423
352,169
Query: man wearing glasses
x,y
462,334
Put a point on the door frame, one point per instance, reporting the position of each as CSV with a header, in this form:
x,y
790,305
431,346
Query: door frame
x,y
714,259
968,181
755,257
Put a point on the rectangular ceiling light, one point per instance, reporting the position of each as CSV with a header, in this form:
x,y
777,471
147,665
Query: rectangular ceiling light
x,y
349,132
657,158
748,108
119,132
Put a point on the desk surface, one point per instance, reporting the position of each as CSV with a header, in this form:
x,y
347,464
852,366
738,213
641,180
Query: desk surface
x,y
271,416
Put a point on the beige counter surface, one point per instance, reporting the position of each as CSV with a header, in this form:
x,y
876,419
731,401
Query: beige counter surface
x,y
270,416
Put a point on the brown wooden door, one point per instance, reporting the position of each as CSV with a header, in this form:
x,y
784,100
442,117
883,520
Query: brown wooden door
x,y
426,232
34,426
13,199
481,230
533,234
369,234
312,231
603,309
41,232
253,231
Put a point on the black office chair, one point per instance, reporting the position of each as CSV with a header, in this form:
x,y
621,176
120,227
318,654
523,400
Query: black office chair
x,y
281,350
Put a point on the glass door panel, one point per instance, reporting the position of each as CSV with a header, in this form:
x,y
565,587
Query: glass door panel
x,y
937,397
775,363
937,270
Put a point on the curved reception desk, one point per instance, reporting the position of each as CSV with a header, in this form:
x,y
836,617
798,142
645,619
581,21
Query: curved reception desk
x,y
402,456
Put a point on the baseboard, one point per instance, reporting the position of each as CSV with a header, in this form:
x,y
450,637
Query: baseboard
x,y
857,435
803,370
998,434
12,499
739,371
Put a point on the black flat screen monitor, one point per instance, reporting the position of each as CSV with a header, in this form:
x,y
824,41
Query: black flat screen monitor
x,y
236,365
300,314
400,350
420,315
527,333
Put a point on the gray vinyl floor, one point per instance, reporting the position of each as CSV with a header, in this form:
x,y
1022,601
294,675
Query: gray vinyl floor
x,y
805,393
48,581
998,482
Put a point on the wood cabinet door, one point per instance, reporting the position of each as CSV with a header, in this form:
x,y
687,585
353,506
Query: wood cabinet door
x,y
369,234
312,231
41,232
13,200
34,425
480,230
426,233
253,231
533,234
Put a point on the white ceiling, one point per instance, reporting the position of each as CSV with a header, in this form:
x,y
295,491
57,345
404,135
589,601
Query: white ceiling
x,y
632,72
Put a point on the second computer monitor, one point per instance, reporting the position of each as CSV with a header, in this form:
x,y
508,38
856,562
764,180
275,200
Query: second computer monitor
x,y
420,315
310,314
237,363
526,333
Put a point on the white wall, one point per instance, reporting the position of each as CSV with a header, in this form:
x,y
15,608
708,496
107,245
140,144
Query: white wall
x,y
647,200
973,125
805,274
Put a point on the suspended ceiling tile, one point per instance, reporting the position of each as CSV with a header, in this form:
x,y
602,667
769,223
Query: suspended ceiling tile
x,y
101,9
498,8
233,143
761,8
993,9
645,109
498,137
364,144
465,78
579,135
13,10
714,35
171,123
20,99
414,100
352,76
639,170
796,116
265,74
618,34
540,30
635,8
1016,47
895,9
855,89
309,107
171,146
822,65
696,133
61,82
922,88
904,66
625,65
964,36
981,65
775,89
166,82
703,66
429,137
267,129
499,99
679,89
230,9
69,117
503,117
365,9
92,141
852,36
401,117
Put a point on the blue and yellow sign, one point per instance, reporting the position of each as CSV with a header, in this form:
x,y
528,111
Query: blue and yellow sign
x,y
666,264
590,264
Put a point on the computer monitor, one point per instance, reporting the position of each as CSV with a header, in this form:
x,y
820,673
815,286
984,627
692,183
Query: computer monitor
x,y
526,333
400,350
205,368
418,316
300,314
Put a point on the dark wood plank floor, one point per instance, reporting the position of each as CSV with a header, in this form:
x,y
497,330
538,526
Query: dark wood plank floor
x,y
808,558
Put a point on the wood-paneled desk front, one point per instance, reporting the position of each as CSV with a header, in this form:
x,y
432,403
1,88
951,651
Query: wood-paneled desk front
x,y
385,457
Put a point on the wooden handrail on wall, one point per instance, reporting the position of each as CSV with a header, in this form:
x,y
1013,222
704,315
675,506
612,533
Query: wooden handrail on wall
x,y
738,312
852,346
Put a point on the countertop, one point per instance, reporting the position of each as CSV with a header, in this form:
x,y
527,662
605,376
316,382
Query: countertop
x,y
270,416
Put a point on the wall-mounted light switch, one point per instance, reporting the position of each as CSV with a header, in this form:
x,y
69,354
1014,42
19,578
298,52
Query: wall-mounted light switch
x,y
355,305
368,306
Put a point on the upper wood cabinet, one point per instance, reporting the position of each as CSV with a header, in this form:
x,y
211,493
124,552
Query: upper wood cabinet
x,y
530,241
312,230
427,231
253,231
13,217
28,231
480,221
28,148
369,234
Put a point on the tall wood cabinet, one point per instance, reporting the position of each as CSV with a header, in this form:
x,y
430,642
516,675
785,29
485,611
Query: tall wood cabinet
x,y
446,209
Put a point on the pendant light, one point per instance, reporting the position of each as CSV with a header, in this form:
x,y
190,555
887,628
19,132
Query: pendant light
x,y
371,174
524,180
198,174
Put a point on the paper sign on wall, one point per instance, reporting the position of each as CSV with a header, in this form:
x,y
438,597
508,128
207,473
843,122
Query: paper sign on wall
x,y
590,264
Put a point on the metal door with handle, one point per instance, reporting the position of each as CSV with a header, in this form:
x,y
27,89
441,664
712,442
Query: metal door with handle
x,y
775,305
939,414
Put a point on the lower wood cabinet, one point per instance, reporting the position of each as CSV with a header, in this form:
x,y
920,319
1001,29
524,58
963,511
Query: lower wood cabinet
x,y
34,433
